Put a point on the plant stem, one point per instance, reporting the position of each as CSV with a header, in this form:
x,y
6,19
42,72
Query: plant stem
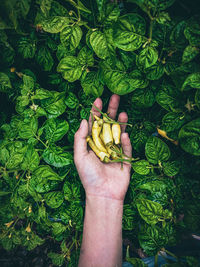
x,y
109,119
87,27
18,181
156,260
38,138
170,253
72,2
117,122
161,53
150,30
120,160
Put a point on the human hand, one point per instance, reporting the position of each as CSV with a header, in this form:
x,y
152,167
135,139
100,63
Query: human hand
x,y
100,179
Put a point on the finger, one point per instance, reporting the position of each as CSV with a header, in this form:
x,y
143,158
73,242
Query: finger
x,y
113,106
123,117
126,144
98,104
80,143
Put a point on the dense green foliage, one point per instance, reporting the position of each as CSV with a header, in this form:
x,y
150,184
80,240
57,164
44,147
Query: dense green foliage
x,y
56,57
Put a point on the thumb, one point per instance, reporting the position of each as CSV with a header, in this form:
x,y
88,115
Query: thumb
x,y
80,143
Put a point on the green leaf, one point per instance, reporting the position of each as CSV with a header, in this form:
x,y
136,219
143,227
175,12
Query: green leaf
x,y
156,5
58,228
189,137
63,51
44,58
56,157
161,5
54,106
28,128
44,179
27,47
91,84
85,57
147,57
100,44
129,217
85,113
63,246
192,81
151,212
54,199
171,168
154,72
177,37
7,243
28,85
71,36
12,154
129,32
5,84
71,191
189,53
138,138
119,81
136,262
70,68
156,150
192,261
82,7
127,58
141,167
100,5
154,186
152,239
55,24
72,101
58,9
23,7
169,98
143,98
55,129
57,259
3,193
173,121
192,32
33,242
31,159
45,6
42,94
7,54
110,13
163,18
8,19
42,213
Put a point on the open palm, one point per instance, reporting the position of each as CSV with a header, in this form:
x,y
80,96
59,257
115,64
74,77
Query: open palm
x,y
102,179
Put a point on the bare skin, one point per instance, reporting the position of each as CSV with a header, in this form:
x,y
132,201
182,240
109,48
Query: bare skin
x,y
105,186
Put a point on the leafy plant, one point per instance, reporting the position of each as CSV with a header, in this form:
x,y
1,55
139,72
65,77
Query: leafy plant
x,y
56,58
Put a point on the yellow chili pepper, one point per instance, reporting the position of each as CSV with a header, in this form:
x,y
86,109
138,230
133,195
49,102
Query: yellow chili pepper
x,y
96,129
102,155
116,132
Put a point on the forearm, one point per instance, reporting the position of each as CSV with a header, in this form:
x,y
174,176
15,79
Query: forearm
x,y
102,233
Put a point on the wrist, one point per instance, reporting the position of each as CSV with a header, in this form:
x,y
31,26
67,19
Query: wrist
x,y
102,207
103,201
